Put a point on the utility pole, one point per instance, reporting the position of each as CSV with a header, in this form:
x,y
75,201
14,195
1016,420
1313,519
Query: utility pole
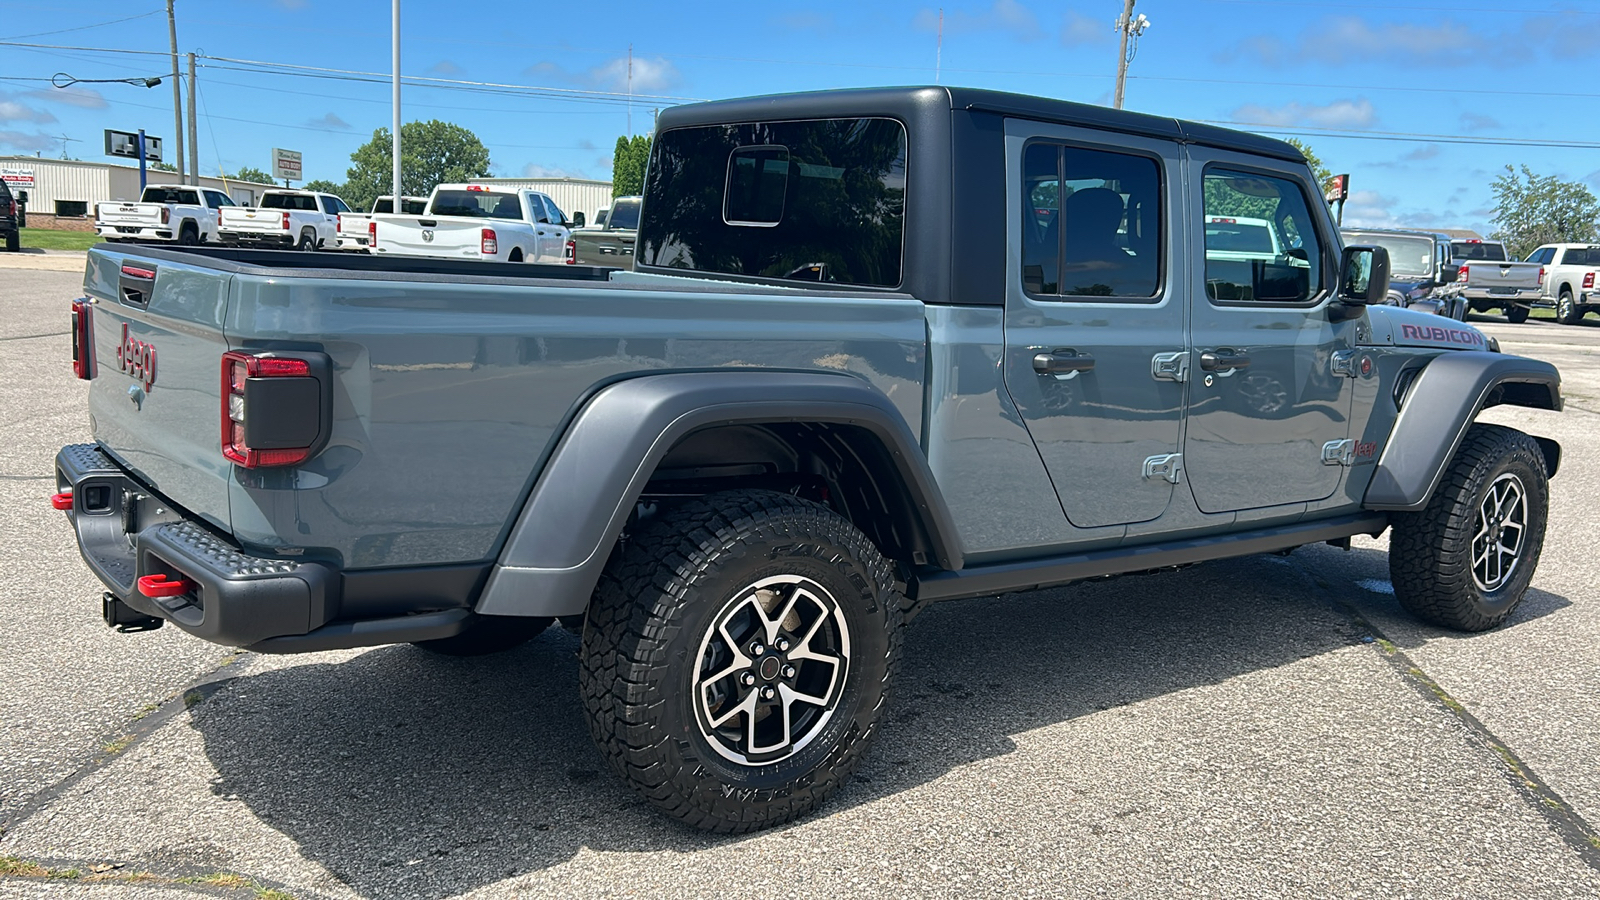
x,y
177,96
1127,26
396,182
194,139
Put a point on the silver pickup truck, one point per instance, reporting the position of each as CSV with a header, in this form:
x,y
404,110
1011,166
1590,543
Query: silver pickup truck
x,y
880,348
1491,280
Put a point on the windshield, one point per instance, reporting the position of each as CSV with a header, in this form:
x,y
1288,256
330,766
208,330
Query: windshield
x,y
289,201
476,204
1239,236
625,214
1407,255
1478,250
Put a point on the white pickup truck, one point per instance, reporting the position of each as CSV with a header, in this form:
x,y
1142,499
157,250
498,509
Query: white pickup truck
x,y
1490,279
481,222
1571,279
354,231
304,220
174,213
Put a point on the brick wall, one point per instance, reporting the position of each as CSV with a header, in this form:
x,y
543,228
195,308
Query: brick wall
x,y
61,223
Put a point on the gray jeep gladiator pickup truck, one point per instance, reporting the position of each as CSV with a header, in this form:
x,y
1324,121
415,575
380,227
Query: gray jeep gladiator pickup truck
x,y
881,348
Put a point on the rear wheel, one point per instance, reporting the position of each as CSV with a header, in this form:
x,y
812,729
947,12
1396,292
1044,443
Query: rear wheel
x,y
516,255
308,241
736,658
1516,315
13,241
1465,560
1567,312
489,634
189,235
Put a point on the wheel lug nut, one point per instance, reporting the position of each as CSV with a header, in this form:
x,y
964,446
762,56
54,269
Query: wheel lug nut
x,y
788,671
783,645
747,679
756,649
767,693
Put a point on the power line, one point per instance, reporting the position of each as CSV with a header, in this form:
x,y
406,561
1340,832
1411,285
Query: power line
x,y
85,27
1401,136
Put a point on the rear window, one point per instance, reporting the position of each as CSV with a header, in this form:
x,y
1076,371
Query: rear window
x,y
800,201
1478,250
170,195
1581,256
625,214
1231,235
304,202
477,204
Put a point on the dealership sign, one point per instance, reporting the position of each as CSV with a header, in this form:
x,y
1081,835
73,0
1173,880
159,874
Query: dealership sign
x,y
286,164
126,144
16,177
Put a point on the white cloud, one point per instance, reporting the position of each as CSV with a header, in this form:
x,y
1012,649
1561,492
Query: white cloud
x,y
445,67
1357,113
15,111
650,74
1001,15
1477,122
1080,29
534,170
1434,43
27,143
85,98
1426,151
330,120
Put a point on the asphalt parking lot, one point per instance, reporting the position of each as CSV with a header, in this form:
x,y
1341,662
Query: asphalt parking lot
x,y
1264,727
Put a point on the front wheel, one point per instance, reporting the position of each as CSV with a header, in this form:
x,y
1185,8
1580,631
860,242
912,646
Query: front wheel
x,y
1465,560
1516,315
1567,310
13,241
737,656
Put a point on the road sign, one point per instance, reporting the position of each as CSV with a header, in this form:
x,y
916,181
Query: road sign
x,y
16,177
286,164
126,143
1337,189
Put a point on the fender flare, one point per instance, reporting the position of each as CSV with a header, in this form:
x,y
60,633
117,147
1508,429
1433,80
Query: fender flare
x,y
588,487
1443,401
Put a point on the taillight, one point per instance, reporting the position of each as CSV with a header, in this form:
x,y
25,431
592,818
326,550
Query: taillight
x,y
372,234
285,221
490,245
1541,276
82,341
1588,280
1466,274
338,222
571,253
166,215
239,372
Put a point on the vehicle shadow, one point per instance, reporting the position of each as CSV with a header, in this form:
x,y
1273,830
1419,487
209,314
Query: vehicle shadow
x,y
411,775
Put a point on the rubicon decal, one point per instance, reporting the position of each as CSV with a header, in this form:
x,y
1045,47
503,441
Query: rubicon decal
x,y
137,358
1459,336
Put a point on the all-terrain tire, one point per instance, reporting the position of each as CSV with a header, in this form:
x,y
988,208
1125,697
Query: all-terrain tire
x,y
1436,554
489,634
672,599
188,235
1567,312
308,241
1516,315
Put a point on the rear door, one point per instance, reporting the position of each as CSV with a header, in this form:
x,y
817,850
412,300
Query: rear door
x,y
1264,398
1094,322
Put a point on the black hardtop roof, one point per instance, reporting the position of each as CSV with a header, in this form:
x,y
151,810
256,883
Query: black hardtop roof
x,y
907,103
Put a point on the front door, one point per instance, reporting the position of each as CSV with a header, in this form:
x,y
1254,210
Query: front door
x,y
1095,315
1265,402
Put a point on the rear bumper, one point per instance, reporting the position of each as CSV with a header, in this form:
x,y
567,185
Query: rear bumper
x,y
273,239
1521,296
126,532
135,232
358,244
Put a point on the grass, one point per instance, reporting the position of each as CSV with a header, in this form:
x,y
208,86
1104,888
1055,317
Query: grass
x,y
52,239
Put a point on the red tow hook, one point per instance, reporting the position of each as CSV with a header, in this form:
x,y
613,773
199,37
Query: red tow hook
x,y
158,586
62,500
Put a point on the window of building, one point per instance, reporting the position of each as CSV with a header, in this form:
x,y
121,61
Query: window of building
x,y
1091,222
1286,267
67,208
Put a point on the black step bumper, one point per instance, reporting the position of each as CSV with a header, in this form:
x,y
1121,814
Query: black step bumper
x,y
126,532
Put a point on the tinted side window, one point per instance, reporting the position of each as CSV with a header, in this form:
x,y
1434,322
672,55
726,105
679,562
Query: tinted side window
x,y
805,201
1288,269
1542,256
1091,222
539,211
556,215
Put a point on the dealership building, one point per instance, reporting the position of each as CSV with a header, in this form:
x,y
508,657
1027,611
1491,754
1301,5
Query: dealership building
x,y
62,192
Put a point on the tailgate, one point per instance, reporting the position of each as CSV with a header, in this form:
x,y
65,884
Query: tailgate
x,y
353,226
448,238
1507,276
154,401
113,213
255,221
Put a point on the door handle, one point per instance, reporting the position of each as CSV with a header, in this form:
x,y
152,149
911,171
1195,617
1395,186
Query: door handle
x,y
1223,361
1062,363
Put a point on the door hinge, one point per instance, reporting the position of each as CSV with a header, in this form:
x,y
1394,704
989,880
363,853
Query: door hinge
x,y
1167,465
1339,453
1170,366
1344,363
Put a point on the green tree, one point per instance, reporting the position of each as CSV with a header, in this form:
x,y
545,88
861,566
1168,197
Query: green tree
x,y
1530,210
163,167
250,173
627,165
323,185
1318,168
431,153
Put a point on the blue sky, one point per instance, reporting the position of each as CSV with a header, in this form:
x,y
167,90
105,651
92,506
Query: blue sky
x,y
1341,75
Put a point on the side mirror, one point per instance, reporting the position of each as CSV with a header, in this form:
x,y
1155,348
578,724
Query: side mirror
x,y
1449,272
1363,275
577,220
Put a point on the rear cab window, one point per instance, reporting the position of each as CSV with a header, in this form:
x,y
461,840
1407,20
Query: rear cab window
x,y
1478,251
477,204
299,202
820,201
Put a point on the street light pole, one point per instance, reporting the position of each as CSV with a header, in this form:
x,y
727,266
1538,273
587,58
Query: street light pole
x,y
194,140
177,96
396,184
